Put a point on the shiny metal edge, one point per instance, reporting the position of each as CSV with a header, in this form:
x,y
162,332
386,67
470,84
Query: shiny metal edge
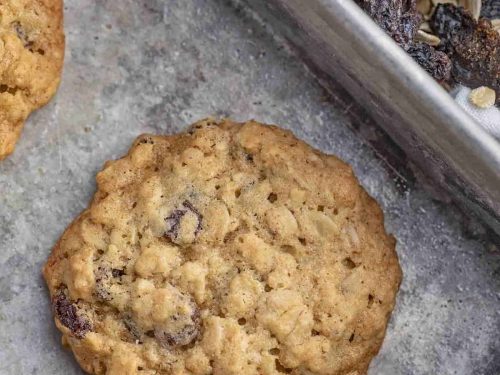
x,y
341,41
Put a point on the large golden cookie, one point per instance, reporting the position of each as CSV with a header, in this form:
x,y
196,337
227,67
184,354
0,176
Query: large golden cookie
x,y
230,249
31,59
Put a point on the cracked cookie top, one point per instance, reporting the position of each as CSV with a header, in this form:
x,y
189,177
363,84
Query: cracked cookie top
x,y
31,58
228,249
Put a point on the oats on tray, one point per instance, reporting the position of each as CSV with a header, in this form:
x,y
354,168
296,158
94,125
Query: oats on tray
x,y
482,97
472,46
401,20
456,41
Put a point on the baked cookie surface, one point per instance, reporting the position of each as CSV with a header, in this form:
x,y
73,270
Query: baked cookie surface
x,y
31,58
228,249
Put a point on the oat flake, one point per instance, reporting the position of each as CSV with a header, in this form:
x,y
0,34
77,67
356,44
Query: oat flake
x,y
482,97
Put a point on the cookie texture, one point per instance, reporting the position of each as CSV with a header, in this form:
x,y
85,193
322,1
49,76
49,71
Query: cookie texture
x,y
31,59
229,249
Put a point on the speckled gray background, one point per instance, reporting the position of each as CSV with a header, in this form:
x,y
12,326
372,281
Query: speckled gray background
x,y
154,66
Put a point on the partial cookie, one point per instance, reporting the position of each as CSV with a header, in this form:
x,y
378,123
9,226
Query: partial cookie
x,y
232,249
31,59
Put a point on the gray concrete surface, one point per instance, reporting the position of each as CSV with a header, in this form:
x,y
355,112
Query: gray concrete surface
x,y
155,66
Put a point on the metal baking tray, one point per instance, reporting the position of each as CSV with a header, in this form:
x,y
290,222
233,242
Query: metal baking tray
x,y
338,40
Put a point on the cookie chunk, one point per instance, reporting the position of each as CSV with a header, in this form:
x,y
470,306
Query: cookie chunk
x,y
231,249
31,58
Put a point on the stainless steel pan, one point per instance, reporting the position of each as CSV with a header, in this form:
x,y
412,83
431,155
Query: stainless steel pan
x,y
342,42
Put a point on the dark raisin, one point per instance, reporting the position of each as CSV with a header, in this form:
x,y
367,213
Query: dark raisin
x,y
174,220
176,339
434,62
472,46
199,216
490,9
184,336
401,20
67,313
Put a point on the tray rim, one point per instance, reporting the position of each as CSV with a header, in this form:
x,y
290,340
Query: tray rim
x,y
461,143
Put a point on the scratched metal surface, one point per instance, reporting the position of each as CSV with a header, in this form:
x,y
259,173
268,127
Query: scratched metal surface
x,y
154,66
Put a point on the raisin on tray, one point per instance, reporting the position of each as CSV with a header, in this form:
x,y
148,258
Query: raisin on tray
x,y
472,46
435,62
398,18
490,9
401,20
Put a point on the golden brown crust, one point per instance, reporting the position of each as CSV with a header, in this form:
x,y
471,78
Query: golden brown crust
x,y
31,59
229,249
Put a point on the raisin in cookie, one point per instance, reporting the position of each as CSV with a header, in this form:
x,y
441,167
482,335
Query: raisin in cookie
x,y
31,58
232,249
